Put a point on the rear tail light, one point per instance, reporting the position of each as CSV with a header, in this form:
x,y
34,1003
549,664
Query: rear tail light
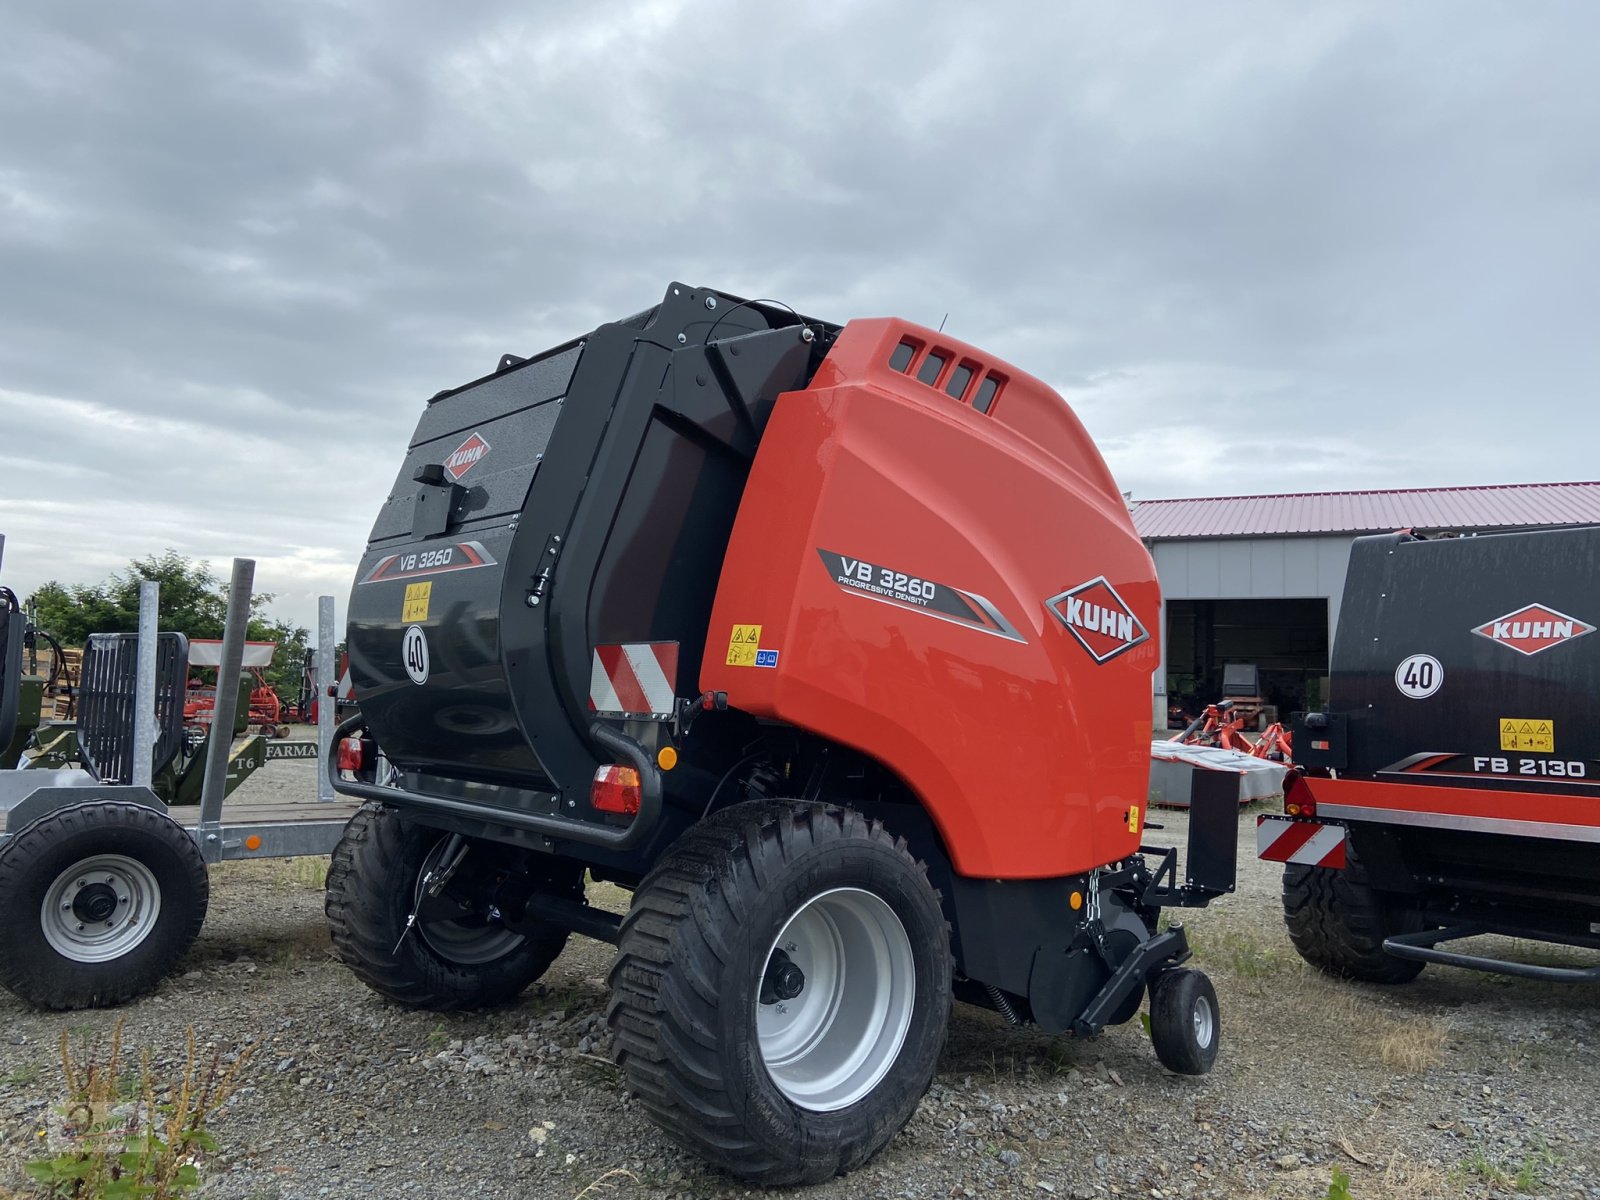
x,y
1297,798
615,790
350,755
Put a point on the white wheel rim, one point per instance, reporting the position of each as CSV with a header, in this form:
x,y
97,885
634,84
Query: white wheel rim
x,y
464,943
1205,1022
831,1044
100,909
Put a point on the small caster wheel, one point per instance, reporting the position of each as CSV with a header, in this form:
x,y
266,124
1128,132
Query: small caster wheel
x,y
1184,1023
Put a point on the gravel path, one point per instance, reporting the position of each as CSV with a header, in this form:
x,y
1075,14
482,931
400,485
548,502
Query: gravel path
x,y
1457,1085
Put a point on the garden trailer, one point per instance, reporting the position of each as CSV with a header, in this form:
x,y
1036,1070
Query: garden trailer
x,y
1452,786
103,866
834,646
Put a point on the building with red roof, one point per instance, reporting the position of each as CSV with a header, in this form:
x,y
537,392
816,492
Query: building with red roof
x,y
1258,579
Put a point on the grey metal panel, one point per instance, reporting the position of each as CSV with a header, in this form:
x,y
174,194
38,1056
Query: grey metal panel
x,y
1302,567
1252,568
1204,570
1234,561
1268,570
280,839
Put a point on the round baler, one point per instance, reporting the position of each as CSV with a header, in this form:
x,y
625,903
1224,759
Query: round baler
x,y
833,647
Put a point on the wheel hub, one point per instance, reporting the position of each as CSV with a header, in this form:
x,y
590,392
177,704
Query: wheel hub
x,y
100,908
1205,1022
784,979
95,902
837,991
471,939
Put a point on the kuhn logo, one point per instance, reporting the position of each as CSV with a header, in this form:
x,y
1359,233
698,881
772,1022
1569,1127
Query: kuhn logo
x,y
1099,619
1532,629
465,456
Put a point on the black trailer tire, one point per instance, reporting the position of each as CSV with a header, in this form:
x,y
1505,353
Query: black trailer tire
x,y
1338,923
372,890
700,992
98,902
1185,1022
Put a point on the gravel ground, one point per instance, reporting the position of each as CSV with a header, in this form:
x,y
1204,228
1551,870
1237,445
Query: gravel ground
x,y
1457,1085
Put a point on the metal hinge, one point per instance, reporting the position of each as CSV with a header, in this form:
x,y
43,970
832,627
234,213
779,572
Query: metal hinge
x,y
547,561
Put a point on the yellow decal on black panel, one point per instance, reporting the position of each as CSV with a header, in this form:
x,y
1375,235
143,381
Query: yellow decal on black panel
x,y
1528,733
416,602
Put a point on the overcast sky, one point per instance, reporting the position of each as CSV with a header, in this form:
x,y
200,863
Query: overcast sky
x,y
1259,247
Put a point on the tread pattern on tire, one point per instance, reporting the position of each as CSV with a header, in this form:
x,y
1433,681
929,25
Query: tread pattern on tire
x,y
1172,1001
1338,924
664,1009
34,971
370,889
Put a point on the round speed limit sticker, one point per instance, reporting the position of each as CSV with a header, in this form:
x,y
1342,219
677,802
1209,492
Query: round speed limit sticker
x,y
1419,676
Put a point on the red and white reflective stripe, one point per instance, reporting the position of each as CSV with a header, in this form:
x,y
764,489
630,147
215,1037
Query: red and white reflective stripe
x,y
638,677
1310,843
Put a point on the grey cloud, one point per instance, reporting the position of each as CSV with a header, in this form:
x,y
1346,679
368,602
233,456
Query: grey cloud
x,y
1338,243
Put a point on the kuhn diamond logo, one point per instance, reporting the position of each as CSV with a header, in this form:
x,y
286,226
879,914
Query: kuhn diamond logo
x,y
1532,629
1099,619
465,456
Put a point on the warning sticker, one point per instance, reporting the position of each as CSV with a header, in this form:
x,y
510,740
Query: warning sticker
x,y
1518,733
743,644
416,604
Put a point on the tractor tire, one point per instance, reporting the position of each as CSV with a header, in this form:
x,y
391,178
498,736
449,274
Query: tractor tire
x,y
1185,1023
782,989
375,885
1337,923
98,902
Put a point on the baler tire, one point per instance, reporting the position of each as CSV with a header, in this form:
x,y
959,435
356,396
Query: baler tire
x,y
1185,1023
700,946
134,861
1338,923
371,892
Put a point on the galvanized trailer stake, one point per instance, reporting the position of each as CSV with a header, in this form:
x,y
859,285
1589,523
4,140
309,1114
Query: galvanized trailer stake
x,y
327,694
216,776
144,692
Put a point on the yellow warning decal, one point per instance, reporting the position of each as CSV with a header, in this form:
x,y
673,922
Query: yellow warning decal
x,y
416,605
1133,819
743,644
1528,733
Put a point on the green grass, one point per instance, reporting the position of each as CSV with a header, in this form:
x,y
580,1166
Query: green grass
x,y
1240,954
1526,1174
24,1076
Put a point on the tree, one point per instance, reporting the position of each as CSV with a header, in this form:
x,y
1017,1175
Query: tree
x,y
194,602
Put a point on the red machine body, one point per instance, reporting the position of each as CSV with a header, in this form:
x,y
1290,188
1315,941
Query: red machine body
x,y
865,599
